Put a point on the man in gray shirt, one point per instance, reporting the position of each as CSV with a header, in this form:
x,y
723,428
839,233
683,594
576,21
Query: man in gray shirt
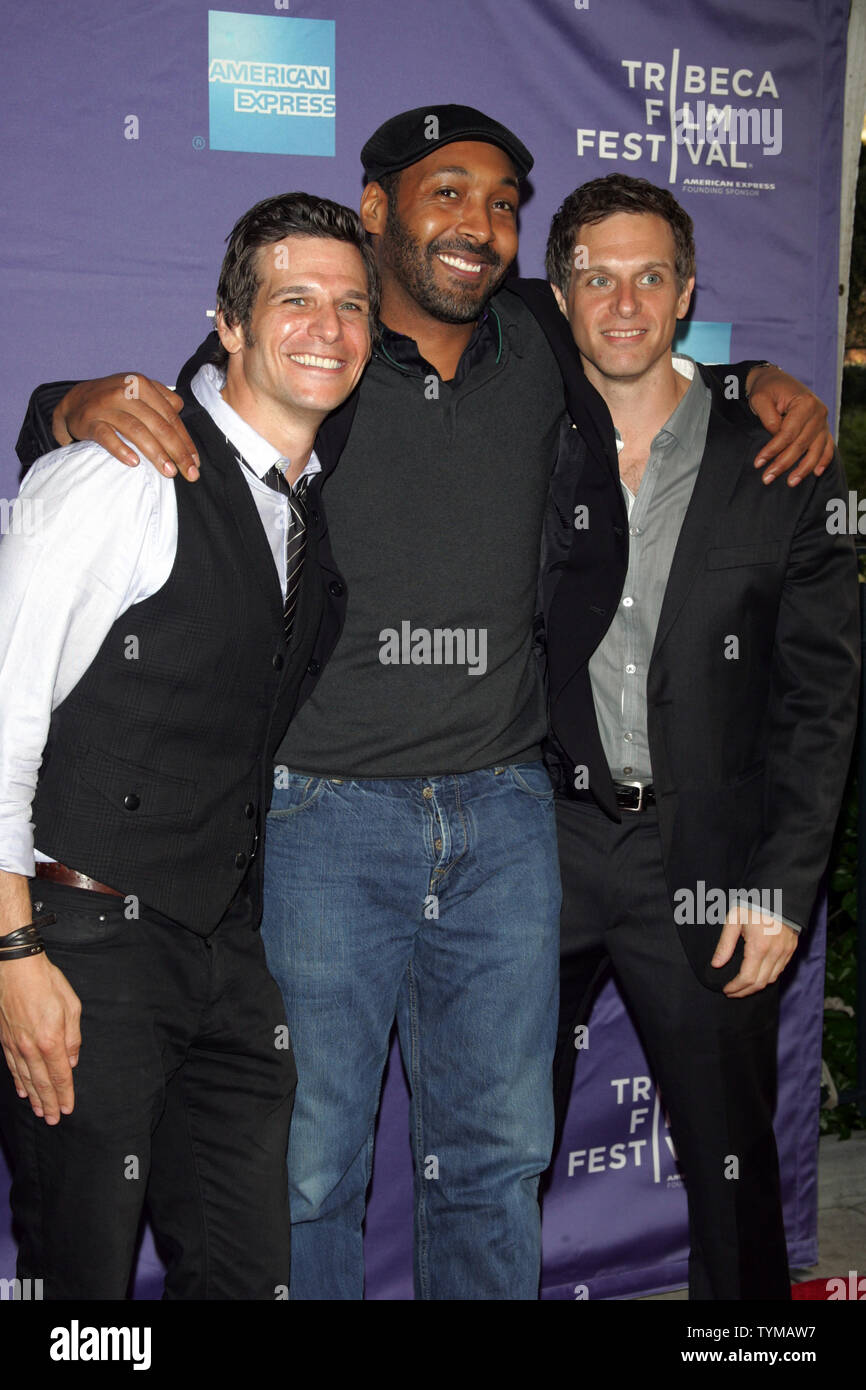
x,y
656,503
703,745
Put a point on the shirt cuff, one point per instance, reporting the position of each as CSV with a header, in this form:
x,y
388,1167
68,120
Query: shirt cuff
x,y
795,926
16,849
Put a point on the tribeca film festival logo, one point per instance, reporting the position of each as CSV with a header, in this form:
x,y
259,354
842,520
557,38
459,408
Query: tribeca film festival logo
x,y
714,131
271,83
438,646
648,1144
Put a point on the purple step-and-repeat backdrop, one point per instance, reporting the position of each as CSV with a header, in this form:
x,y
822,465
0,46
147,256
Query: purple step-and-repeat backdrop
x,y
135,136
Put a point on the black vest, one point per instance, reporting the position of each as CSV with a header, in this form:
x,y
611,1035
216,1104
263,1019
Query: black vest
x,y
157,769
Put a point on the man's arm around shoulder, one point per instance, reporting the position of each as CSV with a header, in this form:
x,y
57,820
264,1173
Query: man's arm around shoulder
x,y
123,412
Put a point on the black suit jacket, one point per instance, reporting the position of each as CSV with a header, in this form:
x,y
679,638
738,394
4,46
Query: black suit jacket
x,y
749,753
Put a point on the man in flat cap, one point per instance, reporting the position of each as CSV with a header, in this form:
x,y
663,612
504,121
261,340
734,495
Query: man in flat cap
x,y
411,865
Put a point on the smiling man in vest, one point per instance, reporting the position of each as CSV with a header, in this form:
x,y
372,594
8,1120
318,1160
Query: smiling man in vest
x,y
152,642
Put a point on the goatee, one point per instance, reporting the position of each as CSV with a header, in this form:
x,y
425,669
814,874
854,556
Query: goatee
x,y
413,267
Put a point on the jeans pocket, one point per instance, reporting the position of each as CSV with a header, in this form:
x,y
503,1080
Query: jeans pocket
x,y
294,792
84,918
533,779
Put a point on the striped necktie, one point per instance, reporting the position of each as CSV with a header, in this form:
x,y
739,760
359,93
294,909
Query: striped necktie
x,y
296,540
296,534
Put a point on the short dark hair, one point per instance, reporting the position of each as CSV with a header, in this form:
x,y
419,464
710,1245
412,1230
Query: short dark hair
x,y
598,199
272,220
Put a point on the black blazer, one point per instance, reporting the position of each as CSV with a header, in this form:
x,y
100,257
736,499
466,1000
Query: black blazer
x,y
749,754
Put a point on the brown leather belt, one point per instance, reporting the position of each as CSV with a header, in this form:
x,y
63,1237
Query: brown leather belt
x,y
58,873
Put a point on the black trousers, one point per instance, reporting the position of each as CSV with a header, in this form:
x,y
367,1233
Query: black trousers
x,y
713,1057
183,1096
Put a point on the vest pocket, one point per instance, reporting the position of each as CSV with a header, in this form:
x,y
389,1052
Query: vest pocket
x,y
139,792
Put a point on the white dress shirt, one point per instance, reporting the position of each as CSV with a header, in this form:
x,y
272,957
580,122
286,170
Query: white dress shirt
x,y
261,456
87,539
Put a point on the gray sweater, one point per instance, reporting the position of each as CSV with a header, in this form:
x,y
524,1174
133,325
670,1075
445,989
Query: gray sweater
x,y
434,513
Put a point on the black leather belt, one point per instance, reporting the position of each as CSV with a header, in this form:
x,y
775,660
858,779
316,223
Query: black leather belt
x,y
631,796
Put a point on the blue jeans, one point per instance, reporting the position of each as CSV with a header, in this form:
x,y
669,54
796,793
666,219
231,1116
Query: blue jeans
x,y
435,902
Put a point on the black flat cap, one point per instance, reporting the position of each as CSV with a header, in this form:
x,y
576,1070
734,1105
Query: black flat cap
x,y
414,134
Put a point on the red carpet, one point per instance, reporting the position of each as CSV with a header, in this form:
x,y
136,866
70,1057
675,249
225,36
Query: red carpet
x,y
851,1286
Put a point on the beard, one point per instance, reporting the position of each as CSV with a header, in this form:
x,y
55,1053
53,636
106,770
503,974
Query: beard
x,y
413,267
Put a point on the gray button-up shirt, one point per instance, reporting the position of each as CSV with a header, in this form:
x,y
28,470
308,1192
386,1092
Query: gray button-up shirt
x,y
618,668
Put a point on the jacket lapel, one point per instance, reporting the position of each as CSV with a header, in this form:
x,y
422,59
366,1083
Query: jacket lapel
x,y
591,415
718,475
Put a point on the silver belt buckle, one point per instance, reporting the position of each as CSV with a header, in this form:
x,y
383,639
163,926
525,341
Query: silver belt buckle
x,y
640,792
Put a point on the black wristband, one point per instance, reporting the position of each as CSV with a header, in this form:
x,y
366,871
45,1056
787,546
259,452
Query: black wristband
x,y
20,952
29,932
25,941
